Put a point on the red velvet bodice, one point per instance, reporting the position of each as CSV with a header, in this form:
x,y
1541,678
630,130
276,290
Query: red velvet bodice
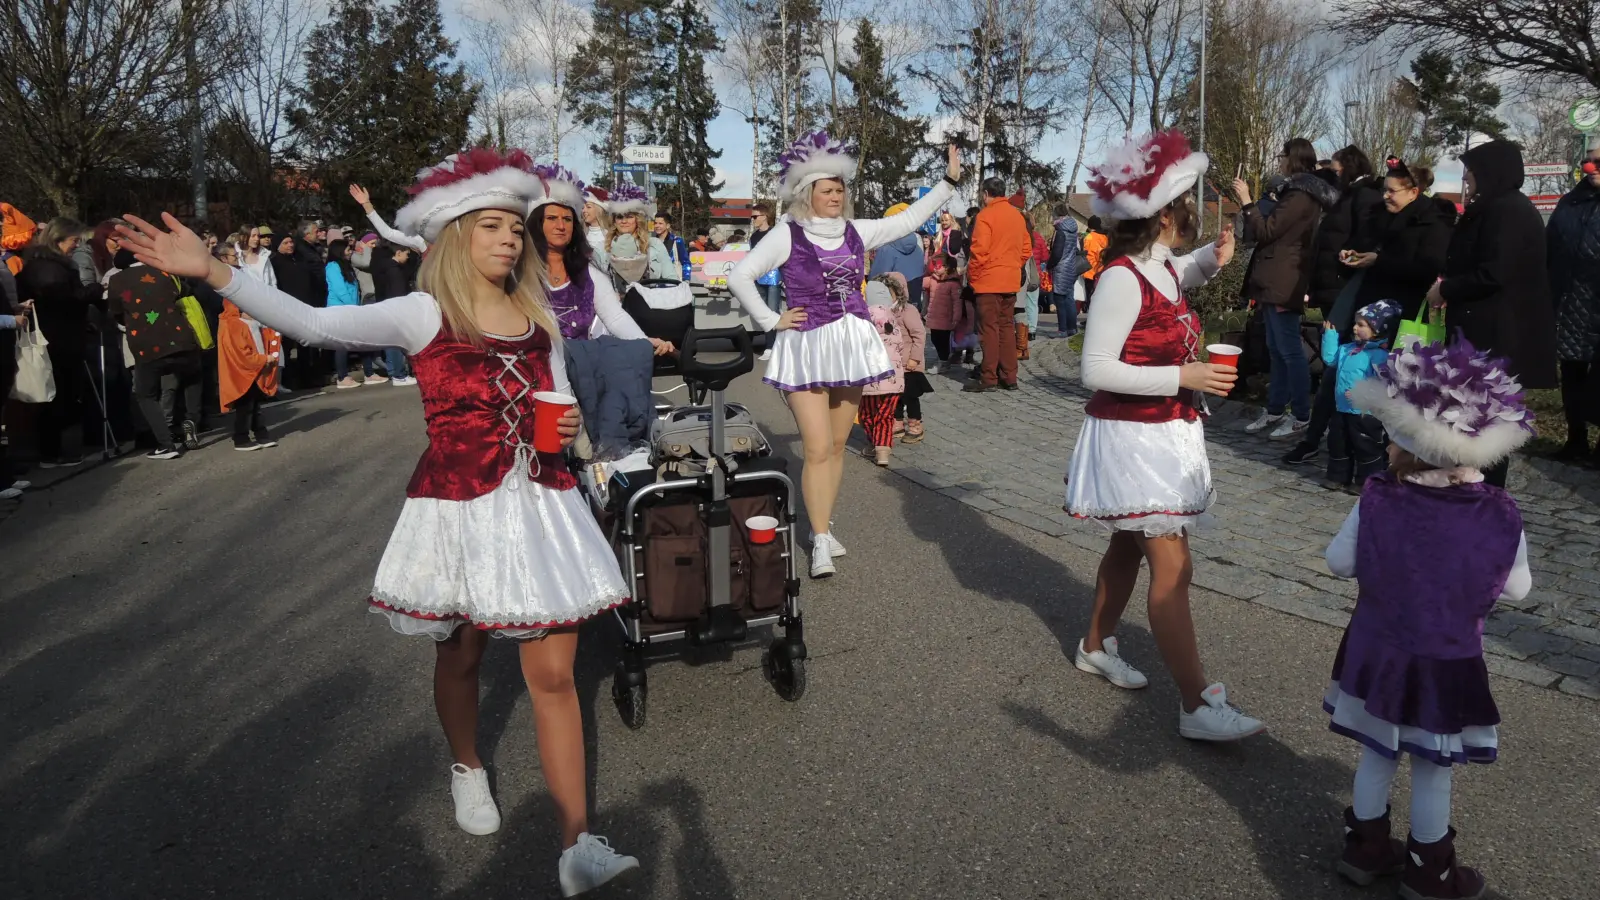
x,y
478,403
1166,333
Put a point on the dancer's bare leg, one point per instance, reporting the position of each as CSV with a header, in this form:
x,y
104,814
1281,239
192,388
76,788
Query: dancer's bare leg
x,y
1171,569
547,668
455,691
842,406
818,482
1113,587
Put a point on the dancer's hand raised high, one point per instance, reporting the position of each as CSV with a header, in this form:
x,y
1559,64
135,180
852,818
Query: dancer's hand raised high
x,y
176,251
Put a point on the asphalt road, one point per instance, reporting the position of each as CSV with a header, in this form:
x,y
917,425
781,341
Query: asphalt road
x,y
196,704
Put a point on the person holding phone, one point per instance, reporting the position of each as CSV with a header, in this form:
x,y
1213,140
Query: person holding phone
x,y
1140,466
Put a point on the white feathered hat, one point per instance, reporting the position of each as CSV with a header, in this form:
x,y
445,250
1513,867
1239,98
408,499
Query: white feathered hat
x,y
464,182
1144,174
561,186
1448,406
628,197
810,159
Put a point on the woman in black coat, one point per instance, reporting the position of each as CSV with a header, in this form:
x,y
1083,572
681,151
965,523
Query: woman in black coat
x,y
1354,223
61,301
1574,255
1412,246
1496,288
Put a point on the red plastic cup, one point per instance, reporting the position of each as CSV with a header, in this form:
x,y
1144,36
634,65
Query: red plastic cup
x,y
1224,355
763,529
548,408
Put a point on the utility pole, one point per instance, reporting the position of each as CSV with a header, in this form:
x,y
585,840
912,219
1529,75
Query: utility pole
x,y
1200,183
197,128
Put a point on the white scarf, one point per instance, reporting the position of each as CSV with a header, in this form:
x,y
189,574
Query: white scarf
x,y
822,228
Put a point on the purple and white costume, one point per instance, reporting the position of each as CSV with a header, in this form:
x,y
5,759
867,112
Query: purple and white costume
x,y
824,265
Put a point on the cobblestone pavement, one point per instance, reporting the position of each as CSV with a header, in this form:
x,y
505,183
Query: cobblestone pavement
x,y
1005,453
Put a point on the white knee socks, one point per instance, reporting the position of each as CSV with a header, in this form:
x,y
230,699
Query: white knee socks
x,y
1430,794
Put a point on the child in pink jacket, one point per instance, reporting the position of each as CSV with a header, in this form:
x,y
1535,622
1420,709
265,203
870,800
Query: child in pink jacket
x,y
880,398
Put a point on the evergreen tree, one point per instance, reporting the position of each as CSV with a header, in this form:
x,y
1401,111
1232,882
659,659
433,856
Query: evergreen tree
x,y
613,75
875,121
683,106
1456,100
384,97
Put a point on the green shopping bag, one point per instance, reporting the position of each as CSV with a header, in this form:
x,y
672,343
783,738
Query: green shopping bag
x,y
1423,329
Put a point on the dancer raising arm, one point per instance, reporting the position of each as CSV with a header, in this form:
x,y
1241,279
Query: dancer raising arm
x,y
1140,465
493,536
826,349
393,236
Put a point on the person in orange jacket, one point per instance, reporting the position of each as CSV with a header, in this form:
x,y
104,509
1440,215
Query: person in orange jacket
x,y
1000,249
18,231
247,374
1094,247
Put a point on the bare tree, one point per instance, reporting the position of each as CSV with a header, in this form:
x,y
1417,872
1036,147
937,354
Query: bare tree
x,y
742,28
524,60
1148,46
1091,90
1376,113
834,22
1559,38
93,85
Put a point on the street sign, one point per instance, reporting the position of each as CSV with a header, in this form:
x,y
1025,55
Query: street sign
x,y
1545,202
1585,115
1534,170
642,153
629,167
663,178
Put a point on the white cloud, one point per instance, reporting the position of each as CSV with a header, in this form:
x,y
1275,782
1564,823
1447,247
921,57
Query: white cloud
x,y
735,183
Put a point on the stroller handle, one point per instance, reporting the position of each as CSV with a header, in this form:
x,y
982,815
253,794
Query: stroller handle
x,y
715,376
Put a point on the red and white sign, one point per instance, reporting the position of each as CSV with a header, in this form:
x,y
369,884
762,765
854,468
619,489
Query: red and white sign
x,y
1545,202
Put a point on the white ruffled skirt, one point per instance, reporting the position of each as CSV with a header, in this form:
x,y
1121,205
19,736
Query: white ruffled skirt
x,y
1152,477
844,353
1349,717
517,561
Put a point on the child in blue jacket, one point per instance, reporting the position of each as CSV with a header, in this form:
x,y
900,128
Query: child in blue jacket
x,y
1357,446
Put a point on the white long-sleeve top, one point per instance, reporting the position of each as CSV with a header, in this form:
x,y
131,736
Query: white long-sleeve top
x,y
1116,305
261,268
1341,557
396,236
410,322
773,251
609,316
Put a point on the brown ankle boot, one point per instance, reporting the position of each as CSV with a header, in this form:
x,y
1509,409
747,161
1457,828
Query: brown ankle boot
x,y
1432,873
1369,852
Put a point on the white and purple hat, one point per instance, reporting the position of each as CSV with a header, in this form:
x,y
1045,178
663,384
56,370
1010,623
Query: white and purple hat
x,y
560,186
468,181
810,159
1448,406
628,197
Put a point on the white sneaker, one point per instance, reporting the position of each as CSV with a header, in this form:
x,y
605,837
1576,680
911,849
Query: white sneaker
x,y
766,355
10,494
1289,427
347,383
933,369
833,542
1215,720
590,863
475,809
20,485
403,381
822,556
1263,423
376,379
1108,665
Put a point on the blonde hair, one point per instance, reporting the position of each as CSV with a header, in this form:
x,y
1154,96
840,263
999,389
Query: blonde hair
x,y
799,209
448,274
602,215
612,232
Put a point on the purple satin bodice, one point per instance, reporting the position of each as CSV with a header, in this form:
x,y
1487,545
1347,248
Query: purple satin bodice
x,y
573,304
825,283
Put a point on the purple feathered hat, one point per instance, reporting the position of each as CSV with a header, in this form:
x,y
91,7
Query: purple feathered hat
x,y
628,197
1448,405
813,157
561,186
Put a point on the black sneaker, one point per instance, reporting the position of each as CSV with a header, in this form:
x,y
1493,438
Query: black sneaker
x,y
160,453
1008,386
246,446
60,462
1302,454
978,387
191,435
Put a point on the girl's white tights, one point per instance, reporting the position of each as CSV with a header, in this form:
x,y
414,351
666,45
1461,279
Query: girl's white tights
x,y
1430,794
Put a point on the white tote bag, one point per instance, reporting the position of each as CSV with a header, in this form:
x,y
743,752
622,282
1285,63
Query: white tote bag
x,y
36,381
